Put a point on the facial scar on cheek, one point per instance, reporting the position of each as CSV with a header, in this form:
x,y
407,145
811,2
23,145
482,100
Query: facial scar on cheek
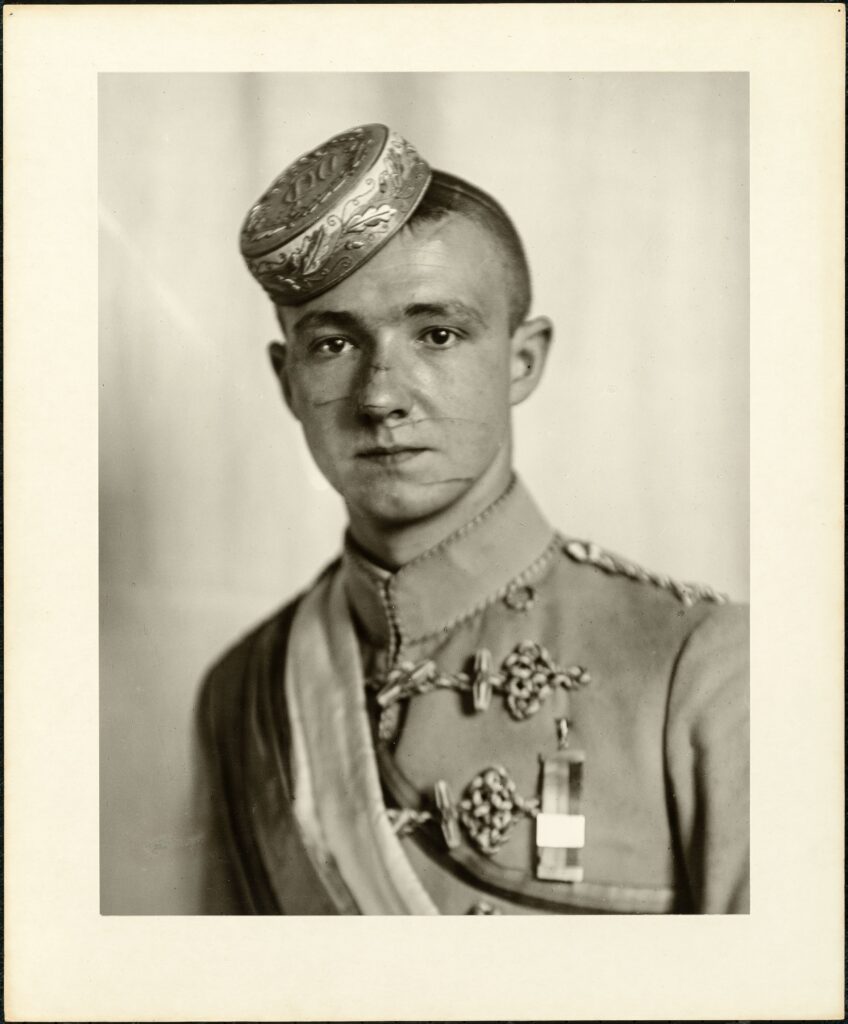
x,y
317,402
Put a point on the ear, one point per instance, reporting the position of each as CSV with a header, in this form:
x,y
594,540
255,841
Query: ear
x,y
529,349
278,354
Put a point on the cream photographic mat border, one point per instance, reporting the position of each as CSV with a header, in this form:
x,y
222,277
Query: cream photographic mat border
x,y
66,962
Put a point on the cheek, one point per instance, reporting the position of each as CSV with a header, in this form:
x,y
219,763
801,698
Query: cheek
x,y
477,393
320,410
312,391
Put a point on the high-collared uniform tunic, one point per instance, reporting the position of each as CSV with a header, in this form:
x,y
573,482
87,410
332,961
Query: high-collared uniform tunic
x,y
660,716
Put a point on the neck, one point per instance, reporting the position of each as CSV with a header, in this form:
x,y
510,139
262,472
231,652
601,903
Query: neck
x,y
392,545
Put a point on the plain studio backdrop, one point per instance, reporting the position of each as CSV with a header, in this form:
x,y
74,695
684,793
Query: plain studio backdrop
x,y
631,194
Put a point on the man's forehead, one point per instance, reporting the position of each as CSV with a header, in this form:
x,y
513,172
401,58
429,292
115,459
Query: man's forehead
x,y
445,268
425,252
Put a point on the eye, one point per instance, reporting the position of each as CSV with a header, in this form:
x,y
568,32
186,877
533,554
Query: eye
x,y
329,347
440,337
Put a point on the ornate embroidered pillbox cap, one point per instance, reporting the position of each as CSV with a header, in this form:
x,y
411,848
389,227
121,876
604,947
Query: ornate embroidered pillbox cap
x,y
331,210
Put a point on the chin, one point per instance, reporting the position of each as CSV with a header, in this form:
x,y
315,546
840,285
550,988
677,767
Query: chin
x,y
400,503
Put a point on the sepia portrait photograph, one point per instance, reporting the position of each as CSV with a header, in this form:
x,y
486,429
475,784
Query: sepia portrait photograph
x,y
423,501
424,493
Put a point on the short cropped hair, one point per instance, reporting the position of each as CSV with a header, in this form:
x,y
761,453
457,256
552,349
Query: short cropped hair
x,y
446,195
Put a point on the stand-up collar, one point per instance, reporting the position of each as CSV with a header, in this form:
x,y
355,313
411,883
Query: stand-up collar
x,y
459,576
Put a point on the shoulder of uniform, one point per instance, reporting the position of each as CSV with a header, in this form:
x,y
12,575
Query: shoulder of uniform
x,y
222,683
221,689
593,556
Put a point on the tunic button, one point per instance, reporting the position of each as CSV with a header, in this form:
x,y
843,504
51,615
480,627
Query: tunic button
x,y
520,599
483,907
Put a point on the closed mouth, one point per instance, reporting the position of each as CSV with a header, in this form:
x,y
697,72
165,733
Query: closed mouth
x,y
390,453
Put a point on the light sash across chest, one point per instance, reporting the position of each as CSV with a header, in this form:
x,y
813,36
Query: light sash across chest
x,y
337,795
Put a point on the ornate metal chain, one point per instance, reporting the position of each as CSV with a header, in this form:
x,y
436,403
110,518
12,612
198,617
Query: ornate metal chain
x,y
488,812
491,808
526,677
405,820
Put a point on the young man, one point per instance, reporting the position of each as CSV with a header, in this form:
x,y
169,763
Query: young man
x,y
467,712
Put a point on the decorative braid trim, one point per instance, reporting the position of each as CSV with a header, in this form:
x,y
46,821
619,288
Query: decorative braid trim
x,y
592,554
396,640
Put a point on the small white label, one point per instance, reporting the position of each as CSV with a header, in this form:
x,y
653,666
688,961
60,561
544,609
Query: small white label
x,y
561,831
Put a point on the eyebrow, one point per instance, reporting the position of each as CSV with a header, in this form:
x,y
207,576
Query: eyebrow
x,y
449,308
345,320
328,318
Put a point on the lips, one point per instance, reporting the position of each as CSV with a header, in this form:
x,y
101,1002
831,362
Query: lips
x,y
390,454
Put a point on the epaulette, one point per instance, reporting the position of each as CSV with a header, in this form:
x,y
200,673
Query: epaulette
x,y
592,554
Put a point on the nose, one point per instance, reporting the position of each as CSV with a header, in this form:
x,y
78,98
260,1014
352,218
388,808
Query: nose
x,y
384,392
